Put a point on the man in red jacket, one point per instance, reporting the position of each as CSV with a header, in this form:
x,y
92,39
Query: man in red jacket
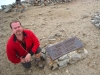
x,y
22,45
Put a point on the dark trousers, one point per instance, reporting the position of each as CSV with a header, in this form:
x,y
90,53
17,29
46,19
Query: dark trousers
x,y
28,64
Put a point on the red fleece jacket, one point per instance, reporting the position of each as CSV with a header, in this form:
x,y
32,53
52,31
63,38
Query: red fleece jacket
x,y
15,50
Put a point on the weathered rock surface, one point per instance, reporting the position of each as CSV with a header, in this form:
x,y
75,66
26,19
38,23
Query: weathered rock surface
x,y
96,20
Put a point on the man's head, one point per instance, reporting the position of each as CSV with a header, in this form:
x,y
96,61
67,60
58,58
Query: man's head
x,y
16,27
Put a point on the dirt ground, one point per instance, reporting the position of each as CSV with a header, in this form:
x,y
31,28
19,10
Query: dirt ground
x,y
68,19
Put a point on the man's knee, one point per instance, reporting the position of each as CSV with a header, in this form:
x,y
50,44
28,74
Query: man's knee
x,y
38,55
38,50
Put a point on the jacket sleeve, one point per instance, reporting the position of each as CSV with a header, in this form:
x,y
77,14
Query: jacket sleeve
x,y
11,54
36,43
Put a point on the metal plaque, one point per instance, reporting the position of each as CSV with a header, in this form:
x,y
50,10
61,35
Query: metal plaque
x,y
62,48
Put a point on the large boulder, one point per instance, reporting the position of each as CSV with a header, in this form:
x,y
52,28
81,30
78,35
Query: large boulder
x,y
6,8
3,7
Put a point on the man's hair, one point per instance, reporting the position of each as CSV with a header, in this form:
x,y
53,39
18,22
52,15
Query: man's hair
x,y
14,21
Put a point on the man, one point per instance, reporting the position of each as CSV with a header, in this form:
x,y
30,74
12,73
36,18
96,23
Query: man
x,y
18,2
22,45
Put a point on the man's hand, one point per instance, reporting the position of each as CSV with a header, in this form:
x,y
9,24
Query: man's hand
x,y
28,57
22,59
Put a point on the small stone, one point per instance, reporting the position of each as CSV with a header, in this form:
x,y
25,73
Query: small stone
x,y
62,30
85,52
67,8
58,35
51,39
67,71
80,50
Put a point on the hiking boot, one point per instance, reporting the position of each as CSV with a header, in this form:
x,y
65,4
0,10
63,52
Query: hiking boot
x,y
39,63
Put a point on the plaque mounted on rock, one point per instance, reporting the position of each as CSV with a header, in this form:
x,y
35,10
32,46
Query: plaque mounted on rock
x,y
57,50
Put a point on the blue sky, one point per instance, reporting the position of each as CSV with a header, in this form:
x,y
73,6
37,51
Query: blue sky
x,y
6,2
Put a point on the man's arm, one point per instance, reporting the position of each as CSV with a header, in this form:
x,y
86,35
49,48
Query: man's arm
x,y
11,54
35,41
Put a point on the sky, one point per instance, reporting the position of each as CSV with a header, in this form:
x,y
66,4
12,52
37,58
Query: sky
x,y
6,2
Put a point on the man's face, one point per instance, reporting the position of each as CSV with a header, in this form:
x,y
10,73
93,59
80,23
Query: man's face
x,y
17,28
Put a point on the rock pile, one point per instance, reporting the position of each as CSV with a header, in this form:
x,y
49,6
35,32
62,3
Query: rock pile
x,y
6,8
96,20
26,3
46,2
66,59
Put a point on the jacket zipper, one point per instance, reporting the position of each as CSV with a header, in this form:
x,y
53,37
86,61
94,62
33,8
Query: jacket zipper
x,y
22,47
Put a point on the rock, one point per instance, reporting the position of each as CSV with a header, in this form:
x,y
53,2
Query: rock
x,y
97,14
80,50
49,62
69,58
63,63
66,59
63,57
8,9
74,57
68,0
54,66
85,52
22,16
36,3
13,5
26,1
45,3
62,30
44,53
96,20
93,21
97,25
85,16
3,7
51,39
97,17
58,35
